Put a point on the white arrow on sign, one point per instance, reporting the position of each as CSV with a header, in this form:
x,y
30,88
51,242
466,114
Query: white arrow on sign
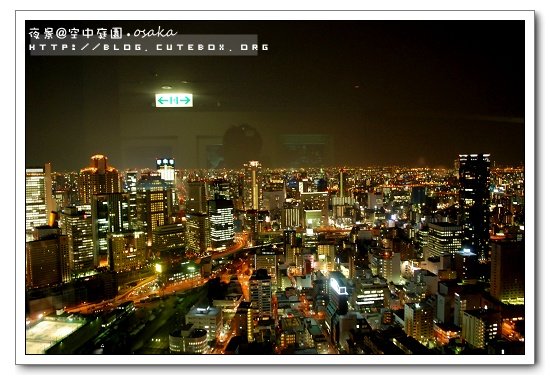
x,y
174,100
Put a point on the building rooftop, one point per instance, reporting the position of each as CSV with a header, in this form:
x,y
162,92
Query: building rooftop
x,y
203,311
50,330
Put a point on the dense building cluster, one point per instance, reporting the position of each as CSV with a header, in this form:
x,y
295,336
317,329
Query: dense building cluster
x,y
359,260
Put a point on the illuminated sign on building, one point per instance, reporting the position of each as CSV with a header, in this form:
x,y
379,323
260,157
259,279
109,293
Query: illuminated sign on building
x,y
341,290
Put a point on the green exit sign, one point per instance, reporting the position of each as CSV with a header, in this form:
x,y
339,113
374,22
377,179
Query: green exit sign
x,y
174,100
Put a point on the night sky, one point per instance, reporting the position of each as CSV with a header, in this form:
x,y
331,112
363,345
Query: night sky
x,y
341,93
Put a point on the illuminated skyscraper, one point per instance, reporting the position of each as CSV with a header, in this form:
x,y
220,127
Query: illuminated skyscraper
x,y
480,326
338,302
167,172
169,237
99,178
166,169
36,212
77,225
292,215
267,260
153,204
220,213
130,187
342,183
315,206
252,186
220,189
127,251
198,232
419,321
443,238
474,201
260,293
110,214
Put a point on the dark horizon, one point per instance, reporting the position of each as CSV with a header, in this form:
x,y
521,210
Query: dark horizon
x,y
331,93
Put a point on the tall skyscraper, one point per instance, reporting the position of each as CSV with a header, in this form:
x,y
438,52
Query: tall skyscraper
x,y
98,178
342,183
153,204
166,169
198,232
77,226
36,210
220,213
260,293
220,189
252,186
110,214
419,321
130,188
508,271
267,260
337,303
474,199
443,238
197,197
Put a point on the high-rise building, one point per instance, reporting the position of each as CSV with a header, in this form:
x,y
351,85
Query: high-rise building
x,y
167,172
220,189
252,186
127,251
508,271
98,178
292,215
77,226
267,260
419,319
467,297
47,261
130,188
418,195
370,293
220,214
326,256
110,214
443,238
169,237
260,293
197,197
386,264
198,232
338,293
315,206
480,326
153,204
166,169
474,199
342,183
38,197
338,302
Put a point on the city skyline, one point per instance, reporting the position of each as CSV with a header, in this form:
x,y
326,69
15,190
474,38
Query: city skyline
x,y
344,192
